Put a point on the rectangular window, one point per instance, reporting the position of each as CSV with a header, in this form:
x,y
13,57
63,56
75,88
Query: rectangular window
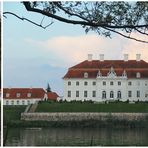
x,y
77,93
129,94
7,102
130,83
12,102
85,94
69,83
77,83
69,94
85,83
28,102
17,102
119,83
104,83
138,94
111,83
94,94
23,102
94,83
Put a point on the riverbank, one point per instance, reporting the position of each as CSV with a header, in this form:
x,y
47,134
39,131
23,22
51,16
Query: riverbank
x,y
12,117
83,123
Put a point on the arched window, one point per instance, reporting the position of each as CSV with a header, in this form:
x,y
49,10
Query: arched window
x,y
85,75
111,94
138,74
103,94
119,94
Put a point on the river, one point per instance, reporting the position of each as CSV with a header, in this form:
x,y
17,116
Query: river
x,y
77,137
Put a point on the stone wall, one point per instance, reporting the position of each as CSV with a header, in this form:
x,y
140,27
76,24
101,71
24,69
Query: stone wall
x,y
82,116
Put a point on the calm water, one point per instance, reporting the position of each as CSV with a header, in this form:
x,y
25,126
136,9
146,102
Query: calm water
x,y
76,137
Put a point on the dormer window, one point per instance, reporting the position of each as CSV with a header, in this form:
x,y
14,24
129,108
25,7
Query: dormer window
x,y
85,75
17,94
99,74
111,73
138,74
7,95
124,74
28,95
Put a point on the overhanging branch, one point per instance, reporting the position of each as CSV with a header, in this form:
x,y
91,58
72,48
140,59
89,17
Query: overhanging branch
x,y
85,23
28,20
125,35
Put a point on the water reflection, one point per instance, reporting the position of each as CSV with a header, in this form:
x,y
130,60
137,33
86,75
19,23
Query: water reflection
x,y
76,137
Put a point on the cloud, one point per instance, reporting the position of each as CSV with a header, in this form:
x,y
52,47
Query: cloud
x,y
69,50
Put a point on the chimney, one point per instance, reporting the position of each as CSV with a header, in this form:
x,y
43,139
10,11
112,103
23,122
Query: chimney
x,y
90,57
125,57
138,57
101,57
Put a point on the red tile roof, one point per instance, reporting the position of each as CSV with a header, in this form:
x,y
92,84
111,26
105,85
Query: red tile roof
x,y
92,67
111,63
52,96
35,93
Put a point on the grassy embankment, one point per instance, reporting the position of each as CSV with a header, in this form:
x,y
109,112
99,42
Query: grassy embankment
x,y
91,107
12,114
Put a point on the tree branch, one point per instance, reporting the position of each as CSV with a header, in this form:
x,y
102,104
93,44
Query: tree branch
x,y
22,18
125,35
68,12
85,23
141,32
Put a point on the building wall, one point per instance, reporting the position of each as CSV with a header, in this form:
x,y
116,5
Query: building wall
x,y
137,85
20,101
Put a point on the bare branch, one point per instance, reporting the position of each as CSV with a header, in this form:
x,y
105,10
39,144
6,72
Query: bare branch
x,y
30,21
141,32
42,20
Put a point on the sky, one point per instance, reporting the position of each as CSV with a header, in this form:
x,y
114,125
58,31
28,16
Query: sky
x,y
33,57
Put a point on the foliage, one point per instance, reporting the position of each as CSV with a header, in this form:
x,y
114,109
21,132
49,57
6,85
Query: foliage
x,y
102,17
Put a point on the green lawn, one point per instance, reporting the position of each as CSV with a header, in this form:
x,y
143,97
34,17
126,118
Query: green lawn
x,y
90,107
12,113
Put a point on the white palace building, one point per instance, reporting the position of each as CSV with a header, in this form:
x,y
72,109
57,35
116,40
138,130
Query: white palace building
x,y
107,80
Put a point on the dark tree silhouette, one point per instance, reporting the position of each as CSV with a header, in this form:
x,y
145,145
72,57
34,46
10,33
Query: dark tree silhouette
x,y
105,18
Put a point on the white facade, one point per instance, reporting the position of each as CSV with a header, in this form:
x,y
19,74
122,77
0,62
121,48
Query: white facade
x,y
23,96
106,88
98,89
20,101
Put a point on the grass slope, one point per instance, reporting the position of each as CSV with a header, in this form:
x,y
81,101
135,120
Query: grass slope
x,y
90,107
12,113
